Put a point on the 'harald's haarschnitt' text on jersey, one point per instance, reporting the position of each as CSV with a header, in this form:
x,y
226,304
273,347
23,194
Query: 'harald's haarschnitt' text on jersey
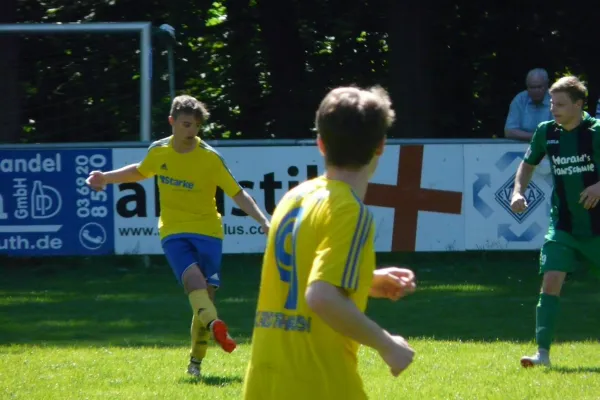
x,y
320,231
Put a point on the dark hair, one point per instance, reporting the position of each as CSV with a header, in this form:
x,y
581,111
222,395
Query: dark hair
x,y
352,122
189,105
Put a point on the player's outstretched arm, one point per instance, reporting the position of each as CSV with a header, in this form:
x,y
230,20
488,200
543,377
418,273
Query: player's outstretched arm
x,y
518,134
98,180
333,306
522,179
247,204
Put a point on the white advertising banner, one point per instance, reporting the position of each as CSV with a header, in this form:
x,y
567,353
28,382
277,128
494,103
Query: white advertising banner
x,y
441,228
135,209
424,197
489,180
415,196
266,173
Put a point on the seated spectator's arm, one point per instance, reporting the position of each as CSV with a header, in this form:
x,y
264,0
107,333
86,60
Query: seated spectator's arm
x,y
518,134
513,122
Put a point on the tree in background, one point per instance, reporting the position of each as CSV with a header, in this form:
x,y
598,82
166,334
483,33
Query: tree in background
x,y
262,65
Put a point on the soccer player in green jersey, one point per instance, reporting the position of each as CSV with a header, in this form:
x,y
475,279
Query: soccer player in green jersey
x,y
572,144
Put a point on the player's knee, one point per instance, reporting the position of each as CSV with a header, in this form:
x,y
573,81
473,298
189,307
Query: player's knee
x,y
193,279
552,282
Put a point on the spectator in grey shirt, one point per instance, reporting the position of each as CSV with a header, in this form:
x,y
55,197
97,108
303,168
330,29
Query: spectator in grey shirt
x,y
530,107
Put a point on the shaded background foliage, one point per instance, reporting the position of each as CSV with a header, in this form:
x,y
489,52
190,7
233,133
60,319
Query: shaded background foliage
x,y
262,66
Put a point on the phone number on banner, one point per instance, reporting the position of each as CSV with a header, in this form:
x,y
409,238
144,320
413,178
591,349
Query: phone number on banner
x,y
47,209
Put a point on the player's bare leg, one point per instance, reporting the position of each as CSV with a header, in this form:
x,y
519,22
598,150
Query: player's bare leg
x,y
545,318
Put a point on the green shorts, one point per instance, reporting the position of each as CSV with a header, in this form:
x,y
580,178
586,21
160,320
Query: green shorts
x,y
564,252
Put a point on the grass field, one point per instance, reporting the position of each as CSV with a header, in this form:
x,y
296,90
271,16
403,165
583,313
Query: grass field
x,y
110,328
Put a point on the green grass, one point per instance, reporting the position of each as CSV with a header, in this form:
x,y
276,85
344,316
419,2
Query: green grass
x,y
110,328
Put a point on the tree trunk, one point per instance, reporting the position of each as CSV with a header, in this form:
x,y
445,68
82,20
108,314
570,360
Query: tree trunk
x,y
286,64
9,84
244,73
411,71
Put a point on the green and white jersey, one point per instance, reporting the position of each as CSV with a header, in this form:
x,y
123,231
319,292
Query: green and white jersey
x,y
575,159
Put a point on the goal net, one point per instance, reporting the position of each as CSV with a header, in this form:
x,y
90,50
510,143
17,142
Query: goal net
x,y
73,86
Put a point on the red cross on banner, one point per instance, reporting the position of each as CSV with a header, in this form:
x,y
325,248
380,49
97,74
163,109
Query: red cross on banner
x,y
407,198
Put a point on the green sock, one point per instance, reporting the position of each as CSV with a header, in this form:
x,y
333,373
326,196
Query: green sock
x,y
545,318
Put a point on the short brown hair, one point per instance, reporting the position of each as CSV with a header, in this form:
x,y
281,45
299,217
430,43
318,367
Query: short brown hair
x,y
352,122
189,105
572,86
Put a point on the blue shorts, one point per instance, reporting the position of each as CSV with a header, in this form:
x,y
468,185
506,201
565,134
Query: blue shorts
x,y
186,249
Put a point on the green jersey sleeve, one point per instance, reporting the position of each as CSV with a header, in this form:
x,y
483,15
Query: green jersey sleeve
x,y
537,146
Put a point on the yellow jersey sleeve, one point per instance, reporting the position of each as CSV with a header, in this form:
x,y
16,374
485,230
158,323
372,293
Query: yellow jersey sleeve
x,y
224,178
148,165
338,254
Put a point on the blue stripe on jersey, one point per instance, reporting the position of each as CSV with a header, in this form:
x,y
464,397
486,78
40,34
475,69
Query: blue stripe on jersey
x,y
349,269
363,239
293,291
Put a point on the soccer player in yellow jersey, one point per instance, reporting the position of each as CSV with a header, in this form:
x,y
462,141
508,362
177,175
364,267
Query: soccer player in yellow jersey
x,y
191,232
319,266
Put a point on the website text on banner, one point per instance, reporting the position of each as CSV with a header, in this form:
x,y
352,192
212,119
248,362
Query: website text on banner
x,y
438,197
46,208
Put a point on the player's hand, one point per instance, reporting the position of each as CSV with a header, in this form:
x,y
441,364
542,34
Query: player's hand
x,y
96,180
398,355
518,203
265,227
590,196
392,283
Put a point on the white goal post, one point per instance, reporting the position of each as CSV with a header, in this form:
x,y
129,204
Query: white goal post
x,y
145,32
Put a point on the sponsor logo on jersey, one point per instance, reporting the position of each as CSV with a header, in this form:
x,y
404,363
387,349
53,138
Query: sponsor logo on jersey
x,y
167,180
572,165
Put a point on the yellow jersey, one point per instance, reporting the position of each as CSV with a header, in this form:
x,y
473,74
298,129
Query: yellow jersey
x,y
187,184
320,231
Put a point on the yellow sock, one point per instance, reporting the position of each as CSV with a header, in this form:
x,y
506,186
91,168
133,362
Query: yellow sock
x,y
200,337
202,306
